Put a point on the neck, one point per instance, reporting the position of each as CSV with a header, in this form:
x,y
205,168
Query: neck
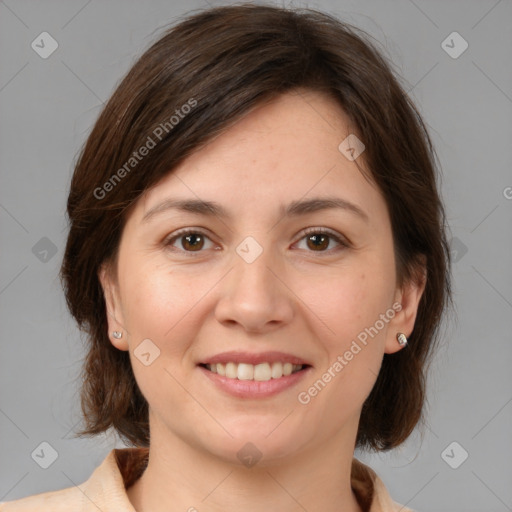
x,y
181,477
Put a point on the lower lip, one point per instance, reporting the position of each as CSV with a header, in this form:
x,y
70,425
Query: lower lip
x,y
254,388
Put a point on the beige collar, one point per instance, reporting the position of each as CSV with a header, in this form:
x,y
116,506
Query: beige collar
x,y
105,490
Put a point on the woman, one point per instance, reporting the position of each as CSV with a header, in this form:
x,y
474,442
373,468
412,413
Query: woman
x,y
257,253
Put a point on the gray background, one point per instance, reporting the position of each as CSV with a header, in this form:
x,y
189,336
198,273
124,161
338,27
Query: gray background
x,y
47,109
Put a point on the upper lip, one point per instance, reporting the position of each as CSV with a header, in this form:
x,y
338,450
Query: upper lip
x,y
254,358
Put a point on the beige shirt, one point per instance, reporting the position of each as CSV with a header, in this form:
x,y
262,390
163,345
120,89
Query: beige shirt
x,y
106,488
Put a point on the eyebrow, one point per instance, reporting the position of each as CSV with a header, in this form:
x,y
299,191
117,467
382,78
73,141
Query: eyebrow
x,y
294,209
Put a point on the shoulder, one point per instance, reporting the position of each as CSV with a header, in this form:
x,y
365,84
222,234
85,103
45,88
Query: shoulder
x,y
57,501
371,491
104,490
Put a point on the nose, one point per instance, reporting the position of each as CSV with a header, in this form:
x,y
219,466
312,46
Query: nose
x,y
255,296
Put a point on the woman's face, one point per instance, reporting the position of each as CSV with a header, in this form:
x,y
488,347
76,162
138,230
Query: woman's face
x,y
265,250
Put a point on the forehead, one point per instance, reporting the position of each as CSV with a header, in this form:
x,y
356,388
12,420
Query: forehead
x,y
281,151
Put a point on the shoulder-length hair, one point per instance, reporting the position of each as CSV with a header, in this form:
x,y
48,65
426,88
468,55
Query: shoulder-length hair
x,y
221,63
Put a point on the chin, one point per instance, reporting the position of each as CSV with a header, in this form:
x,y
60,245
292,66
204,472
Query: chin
x,y
265,439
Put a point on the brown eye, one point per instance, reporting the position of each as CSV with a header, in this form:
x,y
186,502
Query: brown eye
x,y
318,242
189,241
192,242
321,240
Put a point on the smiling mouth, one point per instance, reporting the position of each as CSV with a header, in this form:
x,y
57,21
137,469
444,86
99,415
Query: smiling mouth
x,y
257,372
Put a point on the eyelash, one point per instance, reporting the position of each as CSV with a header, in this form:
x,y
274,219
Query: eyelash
x,y
343,244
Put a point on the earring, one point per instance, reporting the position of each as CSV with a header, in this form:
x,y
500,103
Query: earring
x,y
117,334
402,339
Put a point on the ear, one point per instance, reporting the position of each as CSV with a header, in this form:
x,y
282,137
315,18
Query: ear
x,y
407,299
113,305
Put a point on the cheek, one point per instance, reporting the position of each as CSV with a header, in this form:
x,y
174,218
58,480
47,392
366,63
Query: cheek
x,y
161,306
361,313
348,303
347,307
158,303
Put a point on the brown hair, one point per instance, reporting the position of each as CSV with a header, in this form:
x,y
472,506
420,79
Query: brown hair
x,y
225,61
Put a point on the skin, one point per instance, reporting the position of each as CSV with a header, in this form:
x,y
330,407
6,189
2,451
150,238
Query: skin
x,y
294,298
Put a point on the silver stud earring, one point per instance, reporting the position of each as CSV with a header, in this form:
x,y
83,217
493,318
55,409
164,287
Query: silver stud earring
x,y
402,339
117,334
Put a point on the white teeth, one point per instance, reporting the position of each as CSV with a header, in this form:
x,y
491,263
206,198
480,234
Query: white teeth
x,y
231,370
245,371
277,370
260,372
